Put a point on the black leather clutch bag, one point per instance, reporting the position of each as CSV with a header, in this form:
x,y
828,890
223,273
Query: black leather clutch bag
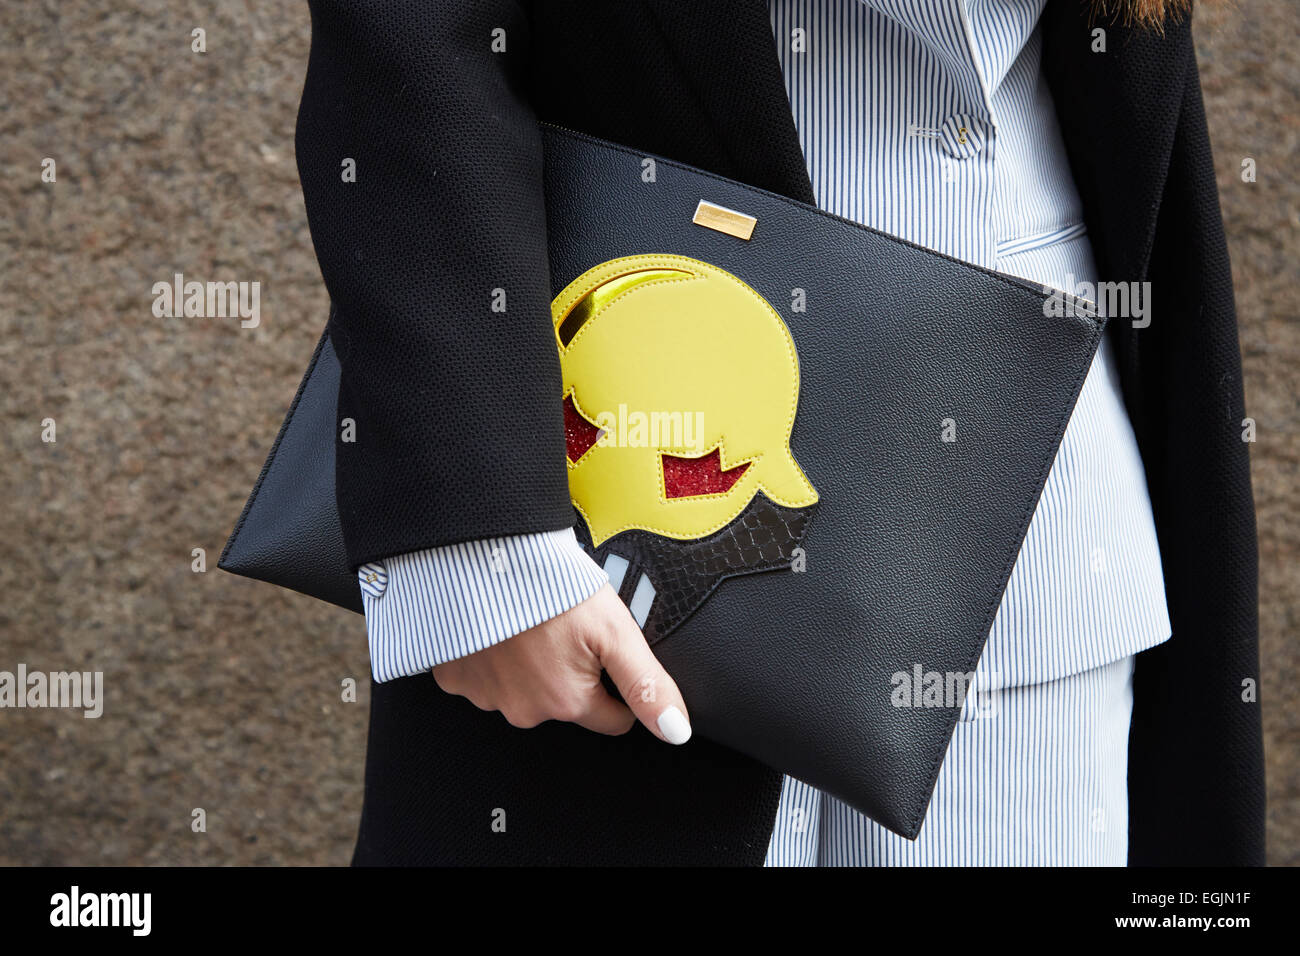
x,y
806,452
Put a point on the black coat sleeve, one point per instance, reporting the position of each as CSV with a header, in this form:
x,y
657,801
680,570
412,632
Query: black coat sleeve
x,y
1196,761
458,420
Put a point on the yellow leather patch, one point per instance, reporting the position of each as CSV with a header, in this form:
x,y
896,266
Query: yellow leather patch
x,y
671,355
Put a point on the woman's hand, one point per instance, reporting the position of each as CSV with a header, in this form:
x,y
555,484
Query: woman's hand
x,y
552,672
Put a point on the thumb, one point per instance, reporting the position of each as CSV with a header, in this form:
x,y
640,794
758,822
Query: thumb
x,y
645,685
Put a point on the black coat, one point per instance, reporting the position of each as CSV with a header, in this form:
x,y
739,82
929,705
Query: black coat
x,y
459,432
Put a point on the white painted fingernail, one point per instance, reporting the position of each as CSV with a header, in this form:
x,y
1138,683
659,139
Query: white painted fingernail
x,y
674,726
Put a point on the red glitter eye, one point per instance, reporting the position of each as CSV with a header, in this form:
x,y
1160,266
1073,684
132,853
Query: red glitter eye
x,y
687,477
579,434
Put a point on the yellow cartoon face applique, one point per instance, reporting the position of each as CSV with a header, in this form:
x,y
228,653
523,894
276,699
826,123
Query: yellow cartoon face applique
x,y
681,385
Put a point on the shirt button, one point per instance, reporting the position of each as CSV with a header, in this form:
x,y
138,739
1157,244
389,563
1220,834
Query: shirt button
x,y
963,135
373,578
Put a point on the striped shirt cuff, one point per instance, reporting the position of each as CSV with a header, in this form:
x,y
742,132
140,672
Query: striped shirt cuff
x,y
429,607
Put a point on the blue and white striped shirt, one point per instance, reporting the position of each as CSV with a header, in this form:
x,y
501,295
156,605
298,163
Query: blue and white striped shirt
x,y
428,607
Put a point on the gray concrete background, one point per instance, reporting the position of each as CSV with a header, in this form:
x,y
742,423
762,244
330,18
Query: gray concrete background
x,y
224,694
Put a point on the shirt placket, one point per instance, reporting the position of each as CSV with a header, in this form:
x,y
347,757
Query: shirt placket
x,y
964,140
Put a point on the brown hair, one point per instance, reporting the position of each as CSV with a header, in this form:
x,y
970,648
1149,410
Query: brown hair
x,y
1151,14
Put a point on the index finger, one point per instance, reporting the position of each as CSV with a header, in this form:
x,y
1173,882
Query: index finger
x,y
646,687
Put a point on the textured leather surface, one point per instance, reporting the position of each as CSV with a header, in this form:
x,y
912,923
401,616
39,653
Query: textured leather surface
x,y
289,532
913,539
684,573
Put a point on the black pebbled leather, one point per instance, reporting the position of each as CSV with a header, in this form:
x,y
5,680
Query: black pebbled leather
x,y
289,532
913,538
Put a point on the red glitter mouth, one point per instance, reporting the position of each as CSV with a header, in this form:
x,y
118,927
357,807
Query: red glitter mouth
x,y
689,477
